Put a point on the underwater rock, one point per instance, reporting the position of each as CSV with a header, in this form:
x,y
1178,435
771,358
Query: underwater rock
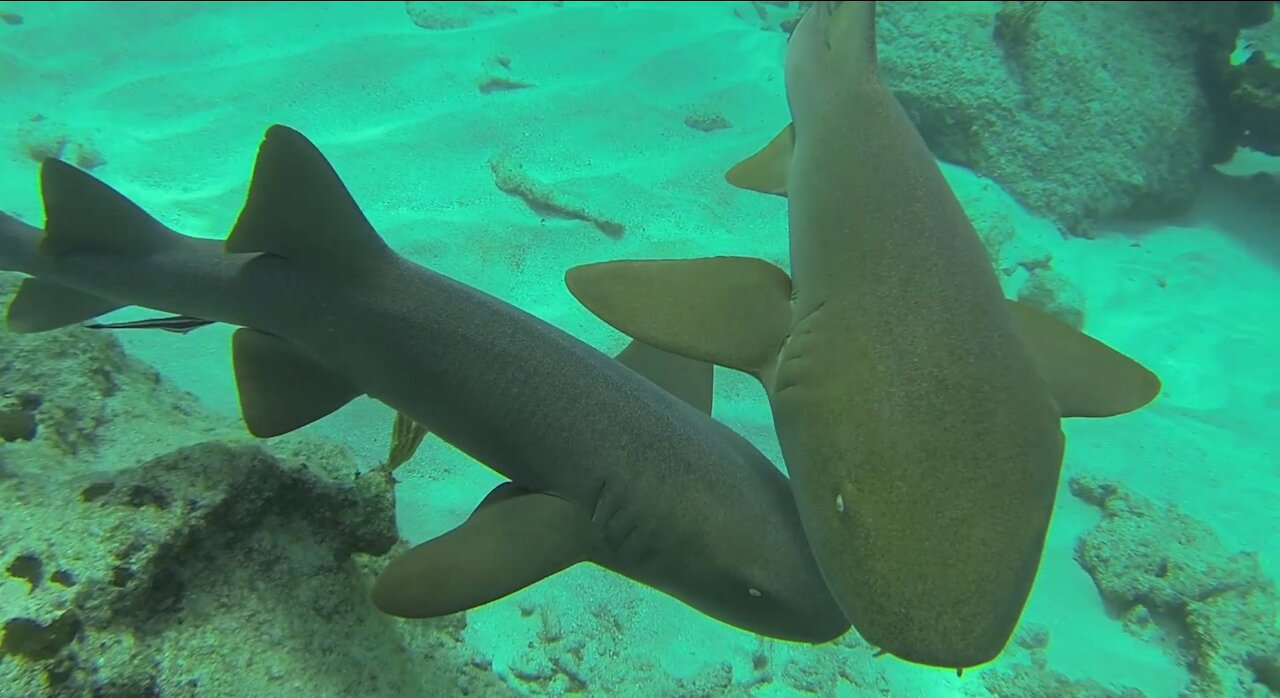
x,y
1082,111
214,570
995,225
1053,292
810,674
457,15
86,155
208,566
152,557
707,121
40,137
591,655
1032,638
510,177
1252,104
712,682
1267,668
993,213
17,424
1242,84
772,15
1158,568
75,383
1263,32
1035,682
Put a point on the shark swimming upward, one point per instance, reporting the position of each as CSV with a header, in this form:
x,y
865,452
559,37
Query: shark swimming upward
x,y
605,465
917,409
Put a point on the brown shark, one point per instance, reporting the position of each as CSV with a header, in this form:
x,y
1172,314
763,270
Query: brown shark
x,y
917,409
607,466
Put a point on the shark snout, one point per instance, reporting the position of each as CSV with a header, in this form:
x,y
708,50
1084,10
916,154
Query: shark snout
x,y
809,616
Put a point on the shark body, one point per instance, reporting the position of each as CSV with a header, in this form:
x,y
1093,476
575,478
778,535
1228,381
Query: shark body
x,y
605,466
918,410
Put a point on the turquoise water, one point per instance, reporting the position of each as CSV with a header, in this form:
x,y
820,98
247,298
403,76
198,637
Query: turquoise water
x,y
504,143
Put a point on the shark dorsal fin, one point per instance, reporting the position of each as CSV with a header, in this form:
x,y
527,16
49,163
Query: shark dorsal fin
x,y
298,208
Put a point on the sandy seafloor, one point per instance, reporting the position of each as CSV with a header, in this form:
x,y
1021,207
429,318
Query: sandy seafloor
x,y
176,96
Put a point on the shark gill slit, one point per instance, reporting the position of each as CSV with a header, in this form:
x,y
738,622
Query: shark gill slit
x,y
599,499
803,327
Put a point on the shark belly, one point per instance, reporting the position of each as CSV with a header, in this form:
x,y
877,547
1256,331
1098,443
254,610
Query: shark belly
x,y
924,471
924,448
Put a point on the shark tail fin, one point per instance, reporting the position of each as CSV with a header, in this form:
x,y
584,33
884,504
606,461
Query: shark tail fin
x,y
514,539
298,208
83,216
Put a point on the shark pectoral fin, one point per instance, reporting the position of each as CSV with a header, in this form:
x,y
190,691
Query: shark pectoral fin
x,y
514,539
298,208
688,379
766,171
282,388
40,306
730,311
1088,378
406,436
